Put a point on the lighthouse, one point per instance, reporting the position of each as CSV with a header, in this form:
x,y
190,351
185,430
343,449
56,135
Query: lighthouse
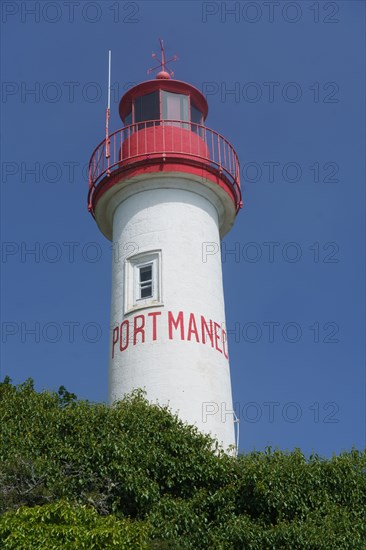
x,y
165,189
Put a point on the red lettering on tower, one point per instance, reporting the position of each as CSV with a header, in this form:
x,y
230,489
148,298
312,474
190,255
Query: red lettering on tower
x,y
208,332
138,329
175,323
154,315
217,337
114,339
224,343
205,330
122,346
192,328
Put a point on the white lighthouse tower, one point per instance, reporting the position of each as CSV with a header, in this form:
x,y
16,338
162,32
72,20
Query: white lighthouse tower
x,y
165,189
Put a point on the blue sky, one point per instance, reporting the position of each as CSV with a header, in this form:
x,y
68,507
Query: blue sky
x,y
294,288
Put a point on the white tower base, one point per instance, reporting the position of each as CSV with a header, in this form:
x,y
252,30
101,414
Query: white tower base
x,y
173,344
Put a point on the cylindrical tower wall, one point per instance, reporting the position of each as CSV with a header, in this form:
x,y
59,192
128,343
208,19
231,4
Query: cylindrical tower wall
x,y
172,343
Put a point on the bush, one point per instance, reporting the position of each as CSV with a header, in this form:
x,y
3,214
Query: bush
x,y
73,473
67,526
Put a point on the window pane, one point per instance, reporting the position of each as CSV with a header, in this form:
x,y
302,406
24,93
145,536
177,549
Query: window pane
x,y
196,118
145,273
147,107
146,291
175,106
128,118
196,115
145,281
184,104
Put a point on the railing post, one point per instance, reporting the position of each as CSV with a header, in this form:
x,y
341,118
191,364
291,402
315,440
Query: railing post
x,y
219,148
206,148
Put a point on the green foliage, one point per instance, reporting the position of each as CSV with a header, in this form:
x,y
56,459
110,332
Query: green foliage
x,y
67,526
119,459
79,475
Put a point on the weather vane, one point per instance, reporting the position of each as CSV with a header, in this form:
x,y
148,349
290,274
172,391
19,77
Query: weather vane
x,y
164,73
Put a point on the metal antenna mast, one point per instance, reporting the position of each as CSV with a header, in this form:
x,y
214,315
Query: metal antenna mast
x,y
107,140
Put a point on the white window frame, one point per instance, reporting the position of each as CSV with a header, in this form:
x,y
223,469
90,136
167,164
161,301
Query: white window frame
x,y
138,284
133,264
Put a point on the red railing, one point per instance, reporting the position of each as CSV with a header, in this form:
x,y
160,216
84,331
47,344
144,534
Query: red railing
x,y
165,139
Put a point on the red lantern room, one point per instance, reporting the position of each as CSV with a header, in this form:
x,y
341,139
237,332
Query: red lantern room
x,y
166,116
164,131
